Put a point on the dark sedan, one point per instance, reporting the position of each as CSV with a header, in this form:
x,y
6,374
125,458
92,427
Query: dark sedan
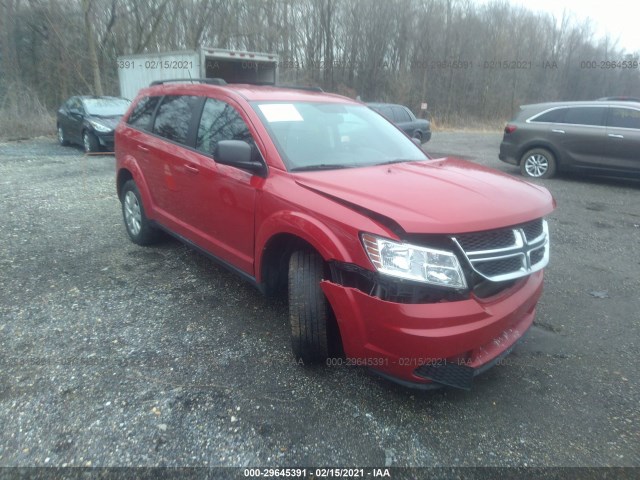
x,y
417,128
90,121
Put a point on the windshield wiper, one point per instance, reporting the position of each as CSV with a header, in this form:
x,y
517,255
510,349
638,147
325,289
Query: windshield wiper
x,y
397,160
321,166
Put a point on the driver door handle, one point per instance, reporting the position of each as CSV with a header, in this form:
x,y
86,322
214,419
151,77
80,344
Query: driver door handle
x,y
615,135
555,130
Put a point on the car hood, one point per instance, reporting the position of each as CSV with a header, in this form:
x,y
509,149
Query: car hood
x,y
436,196
110,122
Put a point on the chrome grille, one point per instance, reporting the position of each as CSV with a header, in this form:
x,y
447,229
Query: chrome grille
x,y
507,253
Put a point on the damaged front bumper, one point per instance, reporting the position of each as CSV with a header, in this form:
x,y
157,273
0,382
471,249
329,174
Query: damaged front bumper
x,y
428,345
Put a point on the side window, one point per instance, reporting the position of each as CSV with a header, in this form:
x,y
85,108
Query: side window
x,y
585,116
142,113
174,117
412,117
400,115
552,116
220,121
386,111
624,118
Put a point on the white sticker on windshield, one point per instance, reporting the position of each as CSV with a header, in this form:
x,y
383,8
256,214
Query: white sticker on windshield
x,y
280,112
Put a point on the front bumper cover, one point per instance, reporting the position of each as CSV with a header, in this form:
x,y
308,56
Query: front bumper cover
x,y
413,343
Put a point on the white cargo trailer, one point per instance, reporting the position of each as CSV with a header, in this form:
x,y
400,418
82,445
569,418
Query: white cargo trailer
x,y
138,71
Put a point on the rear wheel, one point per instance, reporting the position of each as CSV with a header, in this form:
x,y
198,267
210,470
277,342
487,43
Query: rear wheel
x,y
538,163
309,311
90,142
418,136
140,230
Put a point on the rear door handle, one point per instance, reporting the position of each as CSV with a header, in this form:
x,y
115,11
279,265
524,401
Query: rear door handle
x,y
615,135
191,168
555,130
144,149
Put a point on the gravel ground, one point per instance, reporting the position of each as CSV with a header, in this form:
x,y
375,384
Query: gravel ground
x,y
117,355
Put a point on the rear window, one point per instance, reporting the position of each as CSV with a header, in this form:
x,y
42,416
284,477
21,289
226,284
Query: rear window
x,y
624,118
142,113
585,116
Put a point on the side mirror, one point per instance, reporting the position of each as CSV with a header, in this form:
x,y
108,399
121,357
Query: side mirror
x,y
237,153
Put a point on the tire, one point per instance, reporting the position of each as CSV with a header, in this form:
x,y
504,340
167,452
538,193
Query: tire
x,y
90,142
418,136
538,163
309,311
62,140
140,230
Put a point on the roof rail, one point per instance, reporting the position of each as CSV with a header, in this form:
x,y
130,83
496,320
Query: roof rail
x,y
210,81
300,87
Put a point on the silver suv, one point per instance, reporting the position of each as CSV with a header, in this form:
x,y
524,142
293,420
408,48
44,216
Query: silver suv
x,y
591,137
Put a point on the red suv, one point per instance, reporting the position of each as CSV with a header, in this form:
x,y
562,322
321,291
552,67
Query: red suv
x,y
427,271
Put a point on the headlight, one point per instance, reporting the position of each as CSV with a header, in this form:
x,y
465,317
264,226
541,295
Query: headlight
x,y
411,262
100,127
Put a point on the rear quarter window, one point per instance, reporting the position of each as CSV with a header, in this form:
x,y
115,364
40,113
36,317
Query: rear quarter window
x,y
552,116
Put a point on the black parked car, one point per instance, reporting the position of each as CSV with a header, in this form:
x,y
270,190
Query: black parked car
x,y
90,121
404,118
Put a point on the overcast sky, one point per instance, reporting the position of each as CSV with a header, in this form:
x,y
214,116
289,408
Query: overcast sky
x,y
618,18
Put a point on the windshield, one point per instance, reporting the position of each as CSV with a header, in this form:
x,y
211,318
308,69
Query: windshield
x,y
317,136
106,107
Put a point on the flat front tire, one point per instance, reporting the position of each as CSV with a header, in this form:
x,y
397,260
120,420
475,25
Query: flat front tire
x,y
538,163
309,311
140,230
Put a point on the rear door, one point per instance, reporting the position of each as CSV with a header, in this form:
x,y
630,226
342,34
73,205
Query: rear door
x,y
172,166
623,137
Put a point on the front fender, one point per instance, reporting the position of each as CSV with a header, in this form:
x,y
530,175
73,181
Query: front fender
x,y
306,227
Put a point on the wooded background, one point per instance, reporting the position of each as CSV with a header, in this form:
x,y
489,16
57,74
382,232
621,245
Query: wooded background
x,y
454,54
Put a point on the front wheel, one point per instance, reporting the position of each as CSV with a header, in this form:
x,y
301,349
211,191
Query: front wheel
x,y
62,140
309,311
538,163
90,142
139,228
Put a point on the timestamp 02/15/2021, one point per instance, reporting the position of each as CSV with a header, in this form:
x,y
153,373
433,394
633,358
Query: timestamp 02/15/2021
x,y
317,472
155,64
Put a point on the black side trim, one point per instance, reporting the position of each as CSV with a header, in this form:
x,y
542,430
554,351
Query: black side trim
x,y
223,263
